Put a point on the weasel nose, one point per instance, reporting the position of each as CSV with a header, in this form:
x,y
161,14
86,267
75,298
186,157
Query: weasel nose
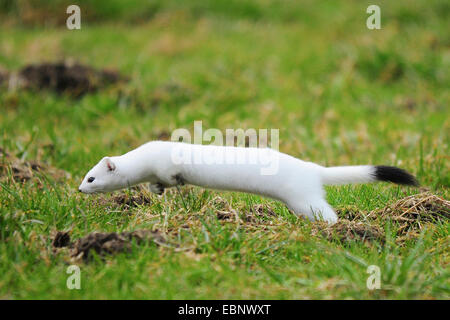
x,y
79,190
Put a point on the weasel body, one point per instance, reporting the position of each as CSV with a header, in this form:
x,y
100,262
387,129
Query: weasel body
x,y
299,184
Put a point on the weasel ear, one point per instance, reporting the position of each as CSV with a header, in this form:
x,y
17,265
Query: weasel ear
x,y
109,164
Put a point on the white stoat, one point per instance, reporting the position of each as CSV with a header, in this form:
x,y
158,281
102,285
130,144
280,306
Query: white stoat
x,y
297,183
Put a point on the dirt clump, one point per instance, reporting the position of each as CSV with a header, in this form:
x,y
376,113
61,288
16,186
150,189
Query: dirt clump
x,y
414,212
164,136
105,243
411,215
351,213
127,200
61,239
22,170
64,77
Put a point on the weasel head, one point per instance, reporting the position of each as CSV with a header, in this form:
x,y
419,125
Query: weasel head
x,y
105,176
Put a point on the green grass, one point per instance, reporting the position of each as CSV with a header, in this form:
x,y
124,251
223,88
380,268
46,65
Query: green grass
x,y
339,94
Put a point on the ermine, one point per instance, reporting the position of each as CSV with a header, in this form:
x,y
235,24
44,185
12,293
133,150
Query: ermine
x,y
263,171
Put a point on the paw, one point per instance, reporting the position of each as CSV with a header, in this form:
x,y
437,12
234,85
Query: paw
x,y
157,188
178,178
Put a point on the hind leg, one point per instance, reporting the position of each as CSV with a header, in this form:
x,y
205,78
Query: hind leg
x,y
314,209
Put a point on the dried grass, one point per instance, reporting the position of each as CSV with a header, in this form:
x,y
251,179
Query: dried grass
x,y
411,215
104,243
345,230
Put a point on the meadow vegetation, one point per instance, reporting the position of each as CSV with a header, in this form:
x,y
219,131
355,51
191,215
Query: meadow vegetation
x,y
339,94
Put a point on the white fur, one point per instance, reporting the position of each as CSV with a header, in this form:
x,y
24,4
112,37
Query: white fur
x,y
297,183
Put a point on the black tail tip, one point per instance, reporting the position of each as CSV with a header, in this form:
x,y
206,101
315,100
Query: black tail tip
x,y
395,175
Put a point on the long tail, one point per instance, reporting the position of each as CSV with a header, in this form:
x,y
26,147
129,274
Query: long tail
x,y
365,174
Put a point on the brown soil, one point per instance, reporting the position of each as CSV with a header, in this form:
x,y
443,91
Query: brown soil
x,y
413,213
164,136
104,243
345,230
23,171
64,77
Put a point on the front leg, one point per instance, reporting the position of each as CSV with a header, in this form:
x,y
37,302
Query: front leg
x,y
171,179
157,188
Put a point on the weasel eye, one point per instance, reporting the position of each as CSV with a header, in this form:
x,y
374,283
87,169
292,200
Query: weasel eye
x,y
91,179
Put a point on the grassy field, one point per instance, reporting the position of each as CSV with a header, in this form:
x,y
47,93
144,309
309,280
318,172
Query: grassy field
x,y
339,93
